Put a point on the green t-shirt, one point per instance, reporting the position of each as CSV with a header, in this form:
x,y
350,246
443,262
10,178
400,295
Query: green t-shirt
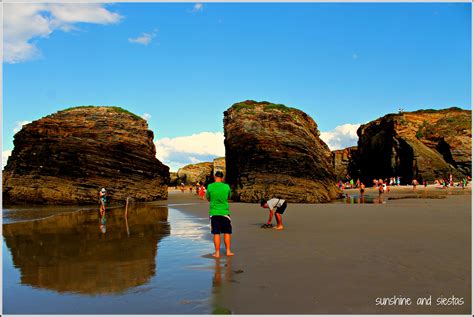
x,y
218,193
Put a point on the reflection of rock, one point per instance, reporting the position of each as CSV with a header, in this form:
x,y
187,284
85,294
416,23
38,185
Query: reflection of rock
x,y
66,157
67,252
424,144
273,150
193,173
341,161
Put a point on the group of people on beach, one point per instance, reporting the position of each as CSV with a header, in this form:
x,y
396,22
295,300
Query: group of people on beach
x,y
218,194
199,188
383,185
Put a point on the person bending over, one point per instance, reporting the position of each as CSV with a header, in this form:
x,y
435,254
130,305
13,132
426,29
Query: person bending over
x,y
277,206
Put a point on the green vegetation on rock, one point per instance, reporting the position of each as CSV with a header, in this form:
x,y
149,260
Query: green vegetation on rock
x,y
267,106
113,108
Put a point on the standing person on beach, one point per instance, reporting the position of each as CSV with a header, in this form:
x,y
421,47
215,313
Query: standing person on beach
x,y
362,189
277,206
202,191
102,201
218,194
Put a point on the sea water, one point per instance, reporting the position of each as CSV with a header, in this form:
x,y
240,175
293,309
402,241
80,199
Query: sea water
x,y
152,261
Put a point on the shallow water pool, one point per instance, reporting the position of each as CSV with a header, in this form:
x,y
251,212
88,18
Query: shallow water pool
x,y
151,262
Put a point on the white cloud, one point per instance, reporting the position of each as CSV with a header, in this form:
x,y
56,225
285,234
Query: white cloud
x,y
197,8
25,23
179,151
146,116
341,136
19,125
5,155
144,38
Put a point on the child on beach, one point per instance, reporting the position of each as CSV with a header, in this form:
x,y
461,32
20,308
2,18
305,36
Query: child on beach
x,y
277,206
218,194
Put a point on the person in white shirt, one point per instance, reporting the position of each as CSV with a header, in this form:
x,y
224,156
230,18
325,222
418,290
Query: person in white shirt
x,y
277,206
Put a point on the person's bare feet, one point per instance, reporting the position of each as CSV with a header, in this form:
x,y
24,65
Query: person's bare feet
x,y
278,228
216,255
229,253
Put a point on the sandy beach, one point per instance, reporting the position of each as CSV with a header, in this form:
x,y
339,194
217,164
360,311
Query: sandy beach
x,y
339,257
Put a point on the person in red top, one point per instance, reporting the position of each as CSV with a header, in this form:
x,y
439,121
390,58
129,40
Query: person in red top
x,y
202,192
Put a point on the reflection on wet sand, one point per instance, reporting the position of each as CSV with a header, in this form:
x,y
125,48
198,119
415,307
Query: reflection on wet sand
x,y
69,252
363,199
222,273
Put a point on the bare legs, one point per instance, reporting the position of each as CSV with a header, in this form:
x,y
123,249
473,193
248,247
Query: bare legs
x,y
279,221
270,217
217,244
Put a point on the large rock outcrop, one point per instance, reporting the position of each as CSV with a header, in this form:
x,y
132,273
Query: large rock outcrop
x,y
193,173
342,161
275,151
219,165
425,144
66,157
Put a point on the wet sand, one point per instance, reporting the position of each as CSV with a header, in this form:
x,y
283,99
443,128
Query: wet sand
x,y
339,258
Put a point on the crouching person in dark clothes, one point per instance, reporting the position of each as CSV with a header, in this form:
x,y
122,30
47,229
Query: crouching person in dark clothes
x,y
218,194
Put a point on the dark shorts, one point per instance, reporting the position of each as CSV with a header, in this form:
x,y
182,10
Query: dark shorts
x,y
221,224
281,210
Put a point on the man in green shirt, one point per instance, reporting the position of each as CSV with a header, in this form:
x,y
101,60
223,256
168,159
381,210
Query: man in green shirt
x,y
218,194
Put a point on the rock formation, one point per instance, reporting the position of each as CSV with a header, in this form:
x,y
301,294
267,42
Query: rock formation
x,y
341,162
425,144
219,165
173,179
275,151
193,173
67,157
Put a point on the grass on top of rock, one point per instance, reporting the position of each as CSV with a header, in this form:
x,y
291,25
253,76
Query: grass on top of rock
x,y
113,108
438,110
267,106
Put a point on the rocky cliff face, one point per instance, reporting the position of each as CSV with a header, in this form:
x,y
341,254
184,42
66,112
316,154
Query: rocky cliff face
x,y
173,179
219,165
341,162
193,173
275,151
425,144
67,157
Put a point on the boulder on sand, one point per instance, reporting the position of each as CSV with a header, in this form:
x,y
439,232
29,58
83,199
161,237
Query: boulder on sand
x,y
275,151
67,157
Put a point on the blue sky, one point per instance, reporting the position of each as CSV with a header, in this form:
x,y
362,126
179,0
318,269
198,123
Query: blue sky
x,y
184,64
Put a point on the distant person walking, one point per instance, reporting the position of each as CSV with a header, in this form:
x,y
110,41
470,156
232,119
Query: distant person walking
x,y
277,206
218,194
